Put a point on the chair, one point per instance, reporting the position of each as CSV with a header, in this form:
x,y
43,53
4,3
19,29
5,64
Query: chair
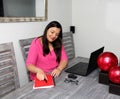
x,y
25,44
9,79
68,43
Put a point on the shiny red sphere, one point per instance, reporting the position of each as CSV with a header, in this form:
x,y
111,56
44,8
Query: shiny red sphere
x,y
106,60
114,74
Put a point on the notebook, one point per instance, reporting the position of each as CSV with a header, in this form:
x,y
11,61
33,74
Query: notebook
x,y
43,83
84,68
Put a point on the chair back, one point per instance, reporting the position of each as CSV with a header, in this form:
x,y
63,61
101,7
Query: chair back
x,y
68,43
9,79
25,44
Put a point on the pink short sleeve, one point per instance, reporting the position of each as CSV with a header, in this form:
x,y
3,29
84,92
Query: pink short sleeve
x,y
32,53
63,54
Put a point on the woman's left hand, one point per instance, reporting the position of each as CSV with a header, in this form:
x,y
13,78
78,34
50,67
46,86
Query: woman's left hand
x,y
56,72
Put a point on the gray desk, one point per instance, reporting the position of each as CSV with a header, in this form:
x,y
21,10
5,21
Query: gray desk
x,y
87,88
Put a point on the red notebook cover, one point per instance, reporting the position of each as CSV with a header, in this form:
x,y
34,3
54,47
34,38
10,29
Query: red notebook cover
x,y
43,84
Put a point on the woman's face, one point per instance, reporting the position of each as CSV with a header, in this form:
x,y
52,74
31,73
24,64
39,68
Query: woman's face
x,y
53,33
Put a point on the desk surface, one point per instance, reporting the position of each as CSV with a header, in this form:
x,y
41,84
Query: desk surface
x,y
87,88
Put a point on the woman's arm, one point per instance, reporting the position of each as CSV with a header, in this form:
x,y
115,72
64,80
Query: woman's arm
x,y
56,72
32,59
33,69
62,65
39,72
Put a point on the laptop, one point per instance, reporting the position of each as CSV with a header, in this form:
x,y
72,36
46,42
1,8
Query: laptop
x,y
84,68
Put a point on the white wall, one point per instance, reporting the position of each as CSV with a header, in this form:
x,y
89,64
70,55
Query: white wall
x,y
59,10
97,24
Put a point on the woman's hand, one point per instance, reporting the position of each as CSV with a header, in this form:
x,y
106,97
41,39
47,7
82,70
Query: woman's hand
x,y
39,72
41,75
56,72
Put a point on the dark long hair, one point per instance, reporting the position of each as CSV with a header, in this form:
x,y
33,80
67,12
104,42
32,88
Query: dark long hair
x,y
57,44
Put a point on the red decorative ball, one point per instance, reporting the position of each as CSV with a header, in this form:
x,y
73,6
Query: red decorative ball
x,y
114,74
106,60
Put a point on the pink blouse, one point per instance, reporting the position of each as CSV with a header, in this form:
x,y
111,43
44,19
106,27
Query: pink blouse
x,y
46,63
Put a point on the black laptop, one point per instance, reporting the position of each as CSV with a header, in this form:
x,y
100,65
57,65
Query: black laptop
x,y
83,68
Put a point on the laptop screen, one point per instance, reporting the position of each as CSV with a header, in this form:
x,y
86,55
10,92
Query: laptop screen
x,y
93,59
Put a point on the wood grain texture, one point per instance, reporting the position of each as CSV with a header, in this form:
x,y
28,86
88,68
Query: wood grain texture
x,y
8,69
87,88
24,45
68,43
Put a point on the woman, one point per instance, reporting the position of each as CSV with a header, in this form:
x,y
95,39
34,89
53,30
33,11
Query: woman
x,y
47,53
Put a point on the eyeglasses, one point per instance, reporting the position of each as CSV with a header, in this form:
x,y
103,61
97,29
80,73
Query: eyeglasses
x,y
72,81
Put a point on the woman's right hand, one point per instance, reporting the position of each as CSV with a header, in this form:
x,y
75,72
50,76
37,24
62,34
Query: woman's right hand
x,y
41,75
